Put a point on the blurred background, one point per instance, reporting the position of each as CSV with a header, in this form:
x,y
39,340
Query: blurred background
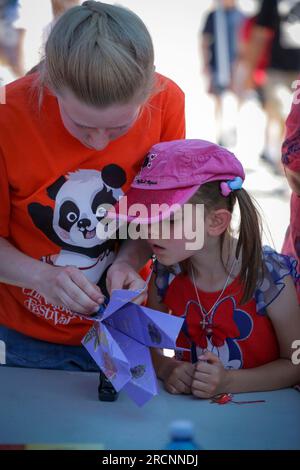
x,y
210,48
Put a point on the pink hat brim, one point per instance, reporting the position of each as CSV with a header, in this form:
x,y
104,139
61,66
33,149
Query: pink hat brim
x,y
148,198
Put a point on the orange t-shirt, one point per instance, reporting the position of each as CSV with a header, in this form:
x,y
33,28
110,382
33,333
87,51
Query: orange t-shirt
x,y
50,187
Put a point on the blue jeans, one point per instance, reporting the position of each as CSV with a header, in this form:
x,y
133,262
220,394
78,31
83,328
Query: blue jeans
x,y
24,351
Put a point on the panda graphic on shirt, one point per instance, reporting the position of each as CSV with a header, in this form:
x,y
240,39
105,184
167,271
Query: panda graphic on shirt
x,y
80,199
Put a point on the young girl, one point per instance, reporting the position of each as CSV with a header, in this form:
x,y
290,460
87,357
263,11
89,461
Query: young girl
x,y
72,137
238,300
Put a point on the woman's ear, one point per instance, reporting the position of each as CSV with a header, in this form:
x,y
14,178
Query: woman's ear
x,y
217,222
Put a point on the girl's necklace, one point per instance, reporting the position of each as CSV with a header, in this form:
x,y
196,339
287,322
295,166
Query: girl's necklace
x,y
205,316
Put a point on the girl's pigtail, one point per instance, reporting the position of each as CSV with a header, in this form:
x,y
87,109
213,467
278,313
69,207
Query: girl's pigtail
x,y
250,243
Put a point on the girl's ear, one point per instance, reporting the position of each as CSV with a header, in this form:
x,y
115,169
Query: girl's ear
x,y
217,222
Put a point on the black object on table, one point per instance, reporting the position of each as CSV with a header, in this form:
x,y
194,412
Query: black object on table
x,y
106,390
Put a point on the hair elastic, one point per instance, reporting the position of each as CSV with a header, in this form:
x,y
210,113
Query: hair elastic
x,y
231,185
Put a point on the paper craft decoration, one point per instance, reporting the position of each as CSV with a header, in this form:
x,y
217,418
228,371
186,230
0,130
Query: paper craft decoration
x,y
119,343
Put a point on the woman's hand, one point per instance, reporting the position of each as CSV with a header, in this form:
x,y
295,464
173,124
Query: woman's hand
x,y
122,276
210,377
68,287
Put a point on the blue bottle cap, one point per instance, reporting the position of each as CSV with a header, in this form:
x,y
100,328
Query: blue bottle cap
x,y
182,429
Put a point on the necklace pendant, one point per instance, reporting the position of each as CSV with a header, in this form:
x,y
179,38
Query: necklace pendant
x,y
206,326
204,323
207,315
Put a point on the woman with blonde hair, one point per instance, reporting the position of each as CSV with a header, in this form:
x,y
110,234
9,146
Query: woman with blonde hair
x,y
72,137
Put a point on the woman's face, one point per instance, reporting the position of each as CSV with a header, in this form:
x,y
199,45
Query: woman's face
x,y
95,127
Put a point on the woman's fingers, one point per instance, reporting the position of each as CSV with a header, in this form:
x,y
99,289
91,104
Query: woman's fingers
x,y
89,289
71,304
70,287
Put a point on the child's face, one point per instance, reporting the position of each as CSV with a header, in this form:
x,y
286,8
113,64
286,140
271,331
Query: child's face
x,y
95,127
178,237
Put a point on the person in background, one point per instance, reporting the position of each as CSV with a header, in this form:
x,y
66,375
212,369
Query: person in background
x,y
61,6
281,19
218,48
291,164
258,78
11,38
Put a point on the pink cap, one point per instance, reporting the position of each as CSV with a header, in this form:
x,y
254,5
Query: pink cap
x,y
173,171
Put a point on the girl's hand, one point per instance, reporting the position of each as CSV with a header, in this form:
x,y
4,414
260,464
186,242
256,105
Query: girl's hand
x,y
210,377
178,377
68,287
122,276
